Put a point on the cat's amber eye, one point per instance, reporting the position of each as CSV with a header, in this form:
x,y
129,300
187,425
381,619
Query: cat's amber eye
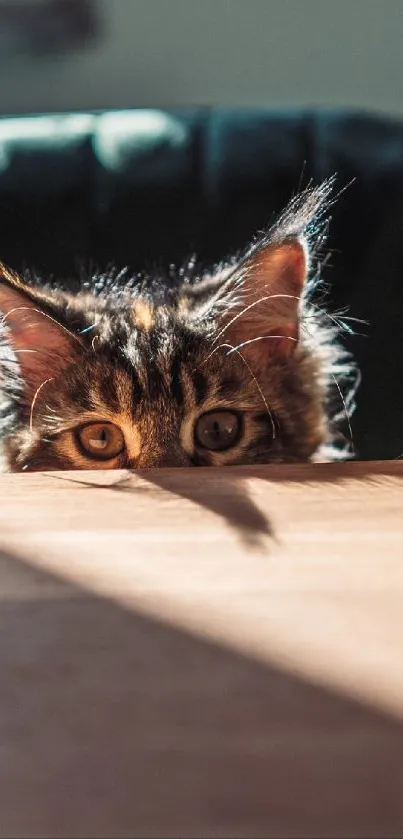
x,y
101,440
217,430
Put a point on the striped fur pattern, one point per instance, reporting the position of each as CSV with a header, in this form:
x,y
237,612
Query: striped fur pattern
x,y
152,355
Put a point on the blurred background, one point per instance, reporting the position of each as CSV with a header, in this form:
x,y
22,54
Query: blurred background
x,y
61,55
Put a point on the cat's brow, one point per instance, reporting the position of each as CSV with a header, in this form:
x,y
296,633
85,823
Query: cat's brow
x,y
231,348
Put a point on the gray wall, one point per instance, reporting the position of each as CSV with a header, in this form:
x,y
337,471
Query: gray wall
x,y
232,52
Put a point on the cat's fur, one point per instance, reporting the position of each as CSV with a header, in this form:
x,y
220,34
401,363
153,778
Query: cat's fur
x,y
151,357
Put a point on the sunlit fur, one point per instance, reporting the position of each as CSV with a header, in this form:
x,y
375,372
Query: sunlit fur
x,y
152,355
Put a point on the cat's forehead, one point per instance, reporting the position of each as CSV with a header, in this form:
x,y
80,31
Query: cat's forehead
x,y
140,330
141,354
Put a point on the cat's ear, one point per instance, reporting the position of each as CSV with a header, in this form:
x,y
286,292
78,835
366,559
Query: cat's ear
x,y
264,298
41,343
260,301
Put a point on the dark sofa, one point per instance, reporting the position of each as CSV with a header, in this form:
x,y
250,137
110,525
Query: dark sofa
x,y
141,187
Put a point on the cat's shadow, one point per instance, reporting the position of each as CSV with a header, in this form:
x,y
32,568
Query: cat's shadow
x,y
227,494
229,498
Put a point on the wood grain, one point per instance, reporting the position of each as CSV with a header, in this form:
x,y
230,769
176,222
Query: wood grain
x,y
202,653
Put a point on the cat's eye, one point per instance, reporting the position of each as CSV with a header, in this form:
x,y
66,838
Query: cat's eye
x,y
101,440
217,430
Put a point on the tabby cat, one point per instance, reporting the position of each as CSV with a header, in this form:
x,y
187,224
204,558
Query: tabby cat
x,y
234,367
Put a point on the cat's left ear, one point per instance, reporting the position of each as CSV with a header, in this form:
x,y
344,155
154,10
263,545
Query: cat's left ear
x,y
264,300
28,322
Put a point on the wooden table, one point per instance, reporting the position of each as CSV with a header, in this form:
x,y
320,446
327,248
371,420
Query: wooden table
x,y
202,653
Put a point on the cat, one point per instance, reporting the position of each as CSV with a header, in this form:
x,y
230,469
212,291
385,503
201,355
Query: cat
x,y
236,366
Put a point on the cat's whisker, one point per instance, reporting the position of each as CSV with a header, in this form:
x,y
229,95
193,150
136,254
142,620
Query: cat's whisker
x,y
262,338
339,321
244,343
248,308
213,352
52,417
345,409
52,420
37,392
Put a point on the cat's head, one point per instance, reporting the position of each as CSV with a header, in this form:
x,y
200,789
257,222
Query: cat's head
x,y
231,369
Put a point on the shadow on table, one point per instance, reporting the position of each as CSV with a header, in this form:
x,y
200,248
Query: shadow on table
x,y
225,492
114,724
229,498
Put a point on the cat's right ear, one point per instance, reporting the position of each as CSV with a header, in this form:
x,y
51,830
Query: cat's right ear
x,y
28,323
